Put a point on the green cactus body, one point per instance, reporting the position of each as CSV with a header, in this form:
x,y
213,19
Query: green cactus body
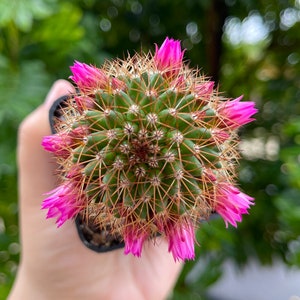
x,y
151,149
145,148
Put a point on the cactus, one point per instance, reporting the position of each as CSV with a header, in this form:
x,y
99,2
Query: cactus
x,y
148,147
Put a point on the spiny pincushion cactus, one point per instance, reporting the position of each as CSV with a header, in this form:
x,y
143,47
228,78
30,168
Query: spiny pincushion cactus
x,y
147,147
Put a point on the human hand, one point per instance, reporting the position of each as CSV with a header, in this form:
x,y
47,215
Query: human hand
x,y
54,262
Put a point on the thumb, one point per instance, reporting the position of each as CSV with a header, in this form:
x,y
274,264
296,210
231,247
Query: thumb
x,y
36,166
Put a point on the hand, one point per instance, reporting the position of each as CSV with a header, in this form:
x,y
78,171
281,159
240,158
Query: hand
x,y
54,262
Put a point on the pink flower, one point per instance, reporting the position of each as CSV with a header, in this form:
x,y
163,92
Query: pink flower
x,y
204,89
84,102
59,144
169,57
209,175
79,132
64,203
220,135
231,203
134,237
181,237
88,77
179,83
235,113
75,172
117,84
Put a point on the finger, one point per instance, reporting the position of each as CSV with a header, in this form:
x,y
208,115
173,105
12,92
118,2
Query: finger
x,y
36,166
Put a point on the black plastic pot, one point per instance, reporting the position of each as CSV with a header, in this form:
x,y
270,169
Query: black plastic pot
x,y
90,235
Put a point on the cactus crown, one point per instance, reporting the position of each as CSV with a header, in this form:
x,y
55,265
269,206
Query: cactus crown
x,y
148,147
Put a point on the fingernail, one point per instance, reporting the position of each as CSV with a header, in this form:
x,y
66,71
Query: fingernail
x,y
58,89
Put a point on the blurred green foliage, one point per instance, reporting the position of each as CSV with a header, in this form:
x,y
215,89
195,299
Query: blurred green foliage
x,y
248,47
